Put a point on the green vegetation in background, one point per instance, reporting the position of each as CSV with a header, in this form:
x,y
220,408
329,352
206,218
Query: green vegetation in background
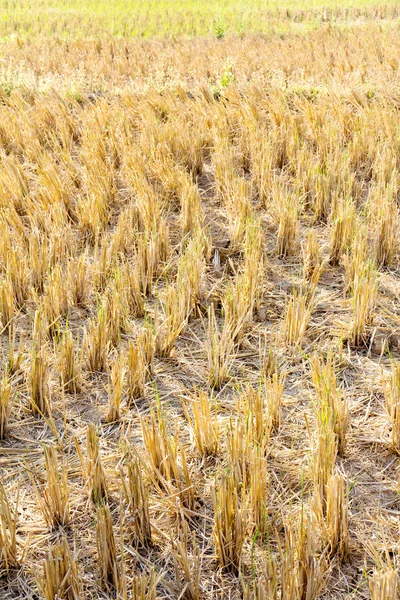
x,y
91,18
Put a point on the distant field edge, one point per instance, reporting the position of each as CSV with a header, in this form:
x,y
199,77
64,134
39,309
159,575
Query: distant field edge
x,y
173,18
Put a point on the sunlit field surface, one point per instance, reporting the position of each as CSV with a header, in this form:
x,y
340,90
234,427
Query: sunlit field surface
x,y
94,18
199,300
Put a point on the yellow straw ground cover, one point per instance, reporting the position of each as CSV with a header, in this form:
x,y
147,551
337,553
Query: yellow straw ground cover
x,y
199,301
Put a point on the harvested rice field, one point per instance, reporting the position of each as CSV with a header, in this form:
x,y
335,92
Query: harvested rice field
x,y
199,301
